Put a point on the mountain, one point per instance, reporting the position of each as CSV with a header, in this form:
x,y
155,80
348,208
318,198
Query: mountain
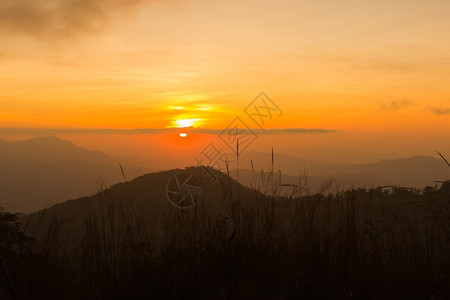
x,y
146,199
41,171
288,164
261,182
126,201
417,171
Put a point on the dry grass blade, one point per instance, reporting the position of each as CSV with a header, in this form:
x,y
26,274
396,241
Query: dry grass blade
x,y
8,278
123,173
125,178
272,160
253,174
442,156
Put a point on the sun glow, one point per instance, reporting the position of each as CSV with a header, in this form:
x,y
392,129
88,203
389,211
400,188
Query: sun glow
x,y
183,134
183,123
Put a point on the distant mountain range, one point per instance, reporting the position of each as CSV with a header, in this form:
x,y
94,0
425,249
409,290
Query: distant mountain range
x,y
416,171
39,172
261,181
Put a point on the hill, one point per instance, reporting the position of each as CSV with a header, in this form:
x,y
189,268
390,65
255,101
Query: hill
x,y
144,195
128,241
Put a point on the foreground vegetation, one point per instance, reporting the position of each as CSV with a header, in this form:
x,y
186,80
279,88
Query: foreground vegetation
x,y
363,244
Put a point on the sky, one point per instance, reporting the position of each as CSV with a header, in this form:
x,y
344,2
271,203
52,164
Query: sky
x,y
369,76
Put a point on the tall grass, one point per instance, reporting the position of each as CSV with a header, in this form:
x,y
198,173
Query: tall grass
x,y
363,244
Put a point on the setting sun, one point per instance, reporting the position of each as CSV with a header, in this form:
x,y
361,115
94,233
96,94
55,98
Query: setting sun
x,y
183,134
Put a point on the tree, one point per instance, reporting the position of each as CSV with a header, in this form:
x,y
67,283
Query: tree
x,y
13,241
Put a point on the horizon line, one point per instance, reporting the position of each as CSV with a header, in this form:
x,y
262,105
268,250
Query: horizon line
x,y
28,130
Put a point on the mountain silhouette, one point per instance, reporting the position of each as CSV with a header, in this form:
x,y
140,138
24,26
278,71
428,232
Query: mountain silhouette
x,y
38,172
417,171
147,194
258,179
414,172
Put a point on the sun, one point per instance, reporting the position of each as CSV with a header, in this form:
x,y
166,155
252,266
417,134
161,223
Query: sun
x,y
184,125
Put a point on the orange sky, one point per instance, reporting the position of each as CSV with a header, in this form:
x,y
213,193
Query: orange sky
x,y
368,69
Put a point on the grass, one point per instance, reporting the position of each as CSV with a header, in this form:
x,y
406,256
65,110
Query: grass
x,y
358,243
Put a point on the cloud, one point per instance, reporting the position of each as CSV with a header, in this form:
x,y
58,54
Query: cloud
x,y
61,18
394,67
52,131
269,131
295,131
380,63
440,111
396,105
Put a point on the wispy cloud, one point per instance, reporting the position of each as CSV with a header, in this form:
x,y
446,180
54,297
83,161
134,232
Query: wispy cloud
x,y
395,105
383,64
52,131
439,110
297,131
394,67
61,18
271,131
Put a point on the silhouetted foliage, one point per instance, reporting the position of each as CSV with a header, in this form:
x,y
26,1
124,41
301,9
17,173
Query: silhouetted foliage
x,y
13,241
359,243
